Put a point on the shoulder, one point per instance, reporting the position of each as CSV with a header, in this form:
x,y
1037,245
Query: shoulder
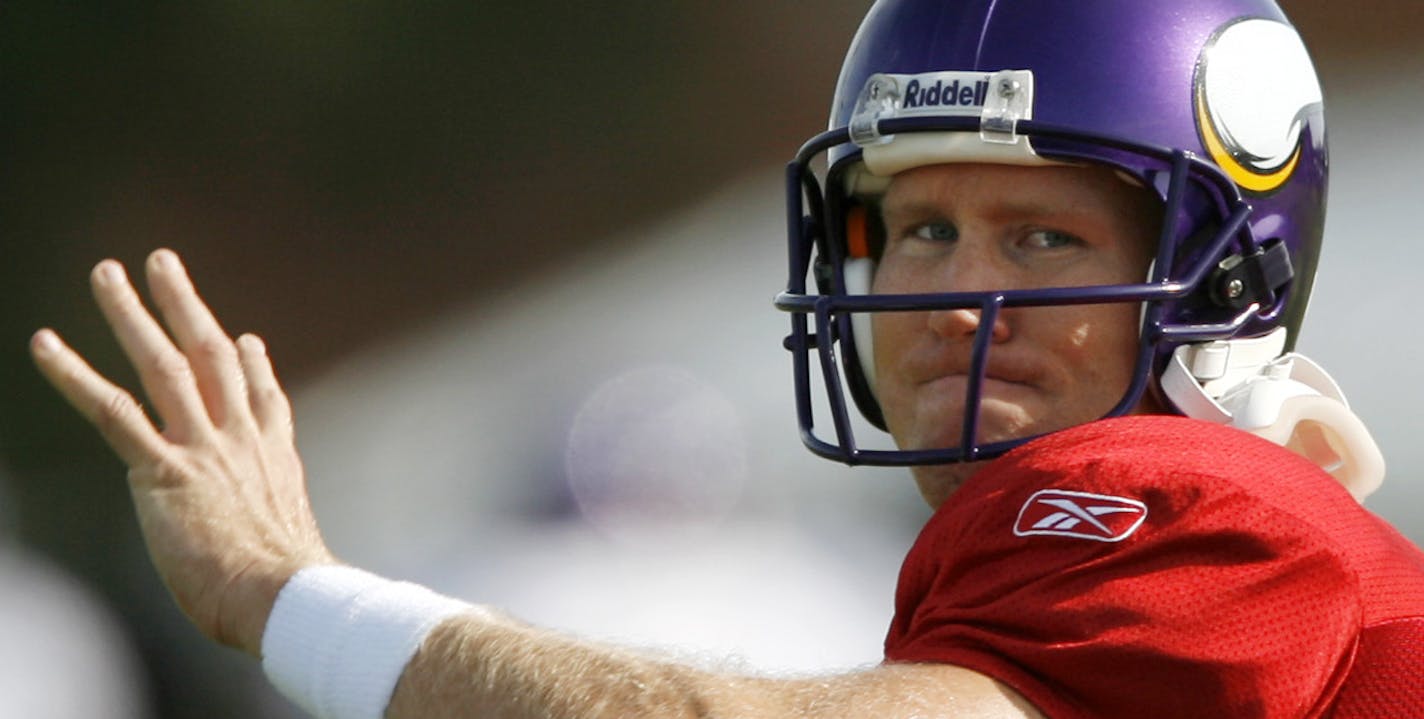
x,y
1148,484
1203,555
1137,487
1167,449
1175,468
1159,518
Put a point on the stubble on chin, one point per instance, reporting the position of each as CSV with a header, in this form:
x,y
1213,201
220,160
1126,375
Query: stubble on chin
x,y
939,481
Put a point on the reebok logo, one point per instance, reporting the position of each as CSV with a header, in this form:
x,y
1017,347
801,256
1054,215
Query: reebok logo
x,y
1078,514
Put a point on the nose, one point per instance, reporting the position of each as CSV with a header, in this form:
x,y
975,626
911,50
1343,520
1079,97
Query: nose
x,y
955,324
973,268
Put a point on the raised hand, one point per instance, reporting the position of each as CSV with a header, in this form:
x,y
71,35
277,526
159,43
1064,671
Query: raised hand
x,y
219,489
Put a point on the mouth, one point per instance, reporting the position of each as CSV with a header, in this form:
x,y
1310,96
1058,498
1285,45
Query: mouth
x,y
993,387
997,375
936,415
1008,395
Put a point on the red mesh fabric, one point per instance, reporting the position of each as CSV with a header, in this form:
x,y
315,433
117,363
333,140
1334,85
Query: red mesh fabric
x,y
1388,679
1243,592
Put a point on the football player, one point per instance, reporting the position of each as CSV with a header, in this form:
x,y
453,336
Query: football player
x,y
1061,253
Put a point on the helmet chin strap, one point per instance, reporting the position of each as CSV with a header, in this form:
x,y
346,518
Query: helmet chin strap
x,y
1285,398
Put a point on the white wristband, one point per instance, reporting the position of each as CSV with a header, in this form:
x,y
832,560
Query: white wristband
x,y
338,638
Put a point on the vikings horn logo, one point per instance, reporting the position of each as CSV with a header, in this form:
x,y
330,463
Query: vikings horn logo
x,y
1255,88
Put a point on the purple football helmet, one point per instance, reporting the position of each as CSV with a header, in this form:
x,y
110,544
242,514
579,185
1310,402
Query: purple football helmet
x,y
1211,105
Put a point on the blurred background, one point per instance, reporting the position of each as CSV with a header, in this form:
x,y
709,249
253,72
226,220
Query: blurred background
x,y
515,262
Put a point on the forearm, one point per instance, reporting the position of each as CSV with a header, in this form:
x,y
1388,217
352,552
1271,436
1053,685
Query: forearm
x,y
489,666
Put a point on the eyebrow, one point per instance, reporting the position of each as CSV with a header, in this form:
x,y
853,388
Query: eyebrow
x,y
1005,207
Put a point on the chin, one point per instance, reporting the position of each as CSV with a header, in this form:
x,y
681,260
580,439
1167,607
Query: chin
x,y
939,481
998,421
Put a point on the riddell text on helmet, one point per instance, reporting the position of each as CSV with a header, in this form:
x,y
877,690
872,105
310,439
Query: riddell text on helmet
x,y
939,94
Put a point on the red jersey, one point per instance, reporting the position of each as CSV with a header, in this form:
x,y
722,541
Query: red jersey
x,y
1166,567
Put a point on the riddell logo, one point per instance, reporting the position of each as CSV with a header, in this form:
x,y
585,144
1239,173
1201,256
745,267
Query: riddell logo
x,y
1081,515
940,94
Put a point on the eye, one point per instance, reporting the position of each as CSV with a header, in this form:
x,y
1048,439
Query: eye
x,y
936,231
1051,240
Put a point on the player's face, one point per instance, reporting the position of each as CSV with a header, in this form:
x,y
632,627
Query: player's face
x,y
953,228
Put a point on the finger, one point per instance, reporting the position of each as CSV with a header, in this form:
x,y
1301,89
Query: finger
x,y
210,351
164,371
118,417
270,405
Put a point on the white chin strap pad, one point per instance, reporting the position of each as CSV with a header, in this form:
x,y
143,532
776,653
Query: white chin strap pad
x,y
858,274
1287,399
